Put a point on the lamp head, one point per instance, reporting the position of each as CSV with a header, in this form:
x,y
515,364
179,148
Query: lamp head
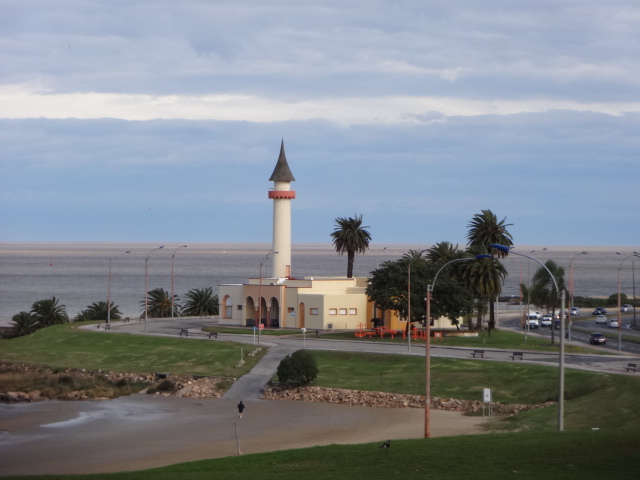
x,y
502,248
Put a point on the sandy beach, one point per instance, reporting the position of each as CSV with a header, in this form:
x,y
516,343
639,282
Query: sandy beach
x,y
141,431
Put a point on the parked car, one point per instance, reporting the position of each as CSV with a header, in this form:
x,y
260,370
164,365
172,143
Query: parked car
x,y
575,311
613,323
546,320
601,319
599,311
597,338
626,308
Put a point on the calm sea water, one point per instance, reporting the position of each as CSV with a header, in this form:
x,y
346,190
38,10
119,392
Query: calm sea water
x,y
78,273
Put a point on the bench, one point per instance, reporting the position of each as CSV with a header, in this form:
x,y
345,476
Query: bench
x,y
631,367
516,355
478,353
186,332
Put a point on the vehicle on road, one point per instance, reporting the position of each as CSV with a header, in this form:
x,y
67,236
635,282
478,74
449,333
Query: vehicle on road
x,y
597,338
533,323
575,311
601,319
613,323
626,308
599,311
533,315
546,320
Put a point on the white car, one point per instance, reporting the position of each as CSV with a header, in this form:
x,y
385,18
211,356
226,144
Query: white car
x,y
613,323
533,323
626,308
575,312
601,319
546,320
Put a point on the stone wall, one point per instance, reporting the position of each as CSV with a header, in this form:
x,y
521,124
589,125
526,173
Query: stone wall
x,y
385,400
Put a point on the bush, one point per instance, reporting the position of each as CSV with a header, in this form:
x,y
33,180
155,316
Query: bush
x,y
299,368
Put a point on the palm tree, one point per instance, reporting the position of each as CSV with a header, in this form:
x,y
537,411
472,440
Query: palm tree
x,y
24,323
98,311
443,252
485,229
350,236
159,303
484,277
47,312
200,302
543,290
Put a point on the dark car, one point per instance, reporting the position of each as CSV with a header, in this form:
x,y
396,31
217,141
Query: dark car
x,y
599,311
597,338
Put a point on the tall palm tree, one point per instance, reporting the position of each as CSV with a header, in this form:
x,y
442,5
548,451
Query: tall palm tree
x,y
159,303
200,302
24,323
350,236
48,312
485,229
484,277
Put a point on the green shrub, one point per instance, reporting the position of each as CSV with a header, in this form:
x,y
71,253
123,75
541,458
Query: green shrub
x,y
299,368
166,386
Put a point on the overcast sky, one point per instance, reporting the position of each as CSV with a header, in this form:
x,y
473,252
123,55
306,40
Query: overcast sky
x,y
162,120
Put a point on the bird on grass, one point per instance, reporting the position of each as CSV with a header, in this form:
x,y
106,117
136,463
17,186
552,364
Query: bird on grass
x,y
386,444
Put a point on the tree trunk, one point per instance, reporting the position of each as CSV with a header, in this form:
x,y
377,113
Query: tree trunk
x,y
350,258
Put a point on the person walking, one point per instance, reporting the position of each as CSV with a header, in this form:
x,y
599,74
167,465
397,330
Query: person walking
x,y
240,408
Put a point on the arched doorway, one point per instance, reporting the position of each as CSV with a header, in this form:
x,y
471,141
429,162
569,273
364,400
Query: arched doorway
x,y
301,315
250,312
274,313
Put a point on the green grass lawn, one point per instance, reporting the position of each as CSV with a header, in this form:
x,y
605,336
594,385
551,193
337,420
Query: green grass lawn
x,y
585,455
512,383
63,346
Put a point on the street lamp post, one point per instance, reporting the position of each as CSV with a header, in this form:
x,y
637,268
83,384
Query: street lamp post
x,y
264,259
561,295
571,293
427,400
109,296
172,257
146,287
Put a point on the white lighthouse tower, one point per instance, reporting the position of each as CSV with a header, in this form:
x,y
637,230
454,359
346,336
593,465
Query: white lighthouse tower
x,y
281,194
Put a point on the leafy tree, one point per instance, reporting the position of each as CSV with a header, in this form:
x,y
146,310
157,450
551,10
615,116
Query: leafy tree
x,y
159,304
351,237
543,290
24,323
388,287
299,368
98,311
200,302
485,229
48,312
612,301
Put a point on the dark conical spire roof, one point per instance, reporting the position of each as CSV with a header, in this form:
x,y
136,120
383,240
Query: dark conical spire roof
x,y
282,172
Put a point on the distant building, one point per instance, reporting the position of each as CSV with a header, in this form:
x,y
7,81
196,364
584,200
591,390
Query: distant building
x,y
278,299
